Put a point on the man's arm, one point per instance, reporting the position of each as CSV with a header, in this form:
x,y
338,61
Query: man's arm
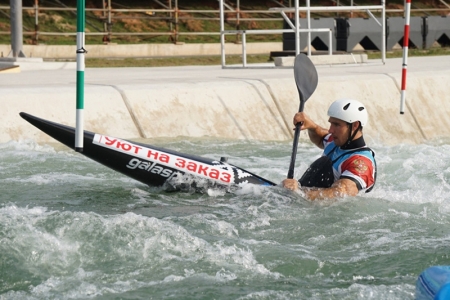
x,y
316,135
341,188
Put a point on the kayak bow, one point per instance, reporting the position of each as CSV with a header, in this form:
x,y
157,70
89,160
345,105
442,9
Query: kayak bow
x,y
150,165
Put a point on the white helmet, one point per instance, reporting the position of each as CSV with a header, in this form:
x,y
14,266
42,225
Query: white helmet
x,y
348,110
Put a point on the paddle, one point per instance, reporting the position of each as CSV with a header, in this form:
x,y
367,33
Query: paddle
x,y
306,79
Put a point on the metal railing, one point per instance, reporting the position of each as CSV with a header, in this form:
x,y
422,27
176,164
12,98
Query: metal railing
x,y
368,9
244,33
174,15
295,28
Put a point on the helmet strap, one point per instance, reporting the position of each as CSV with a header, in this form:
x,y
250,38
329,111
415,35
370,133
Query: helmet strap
x,y
350,135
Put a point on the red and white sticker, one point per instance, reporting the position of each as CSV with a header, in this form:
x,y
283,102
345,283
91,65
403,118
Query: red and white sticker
x,y
220,173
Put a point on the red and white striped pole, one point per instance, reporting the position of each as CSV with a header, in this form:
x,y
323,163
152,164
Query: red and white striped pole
x,y
405,55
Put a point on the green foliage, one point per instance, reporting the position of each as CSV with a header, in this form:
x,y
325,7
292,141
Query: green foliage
x,y
411,52
172,61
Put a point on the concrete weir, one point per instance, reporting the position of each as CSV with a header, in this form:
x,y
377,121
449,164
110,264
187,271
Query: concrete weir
x,y
255,103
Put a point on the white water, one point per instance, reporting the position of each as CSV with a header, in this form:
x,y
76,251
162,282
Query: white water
x,y
72,229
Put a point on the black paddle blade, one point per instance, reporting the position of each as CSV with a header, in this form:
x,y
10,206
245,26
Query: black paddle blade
x,y
306,78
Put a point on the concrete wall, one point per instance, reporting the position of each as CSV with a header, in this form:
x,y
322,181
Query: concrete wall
x,y
107,111
230,105
141,50
235,109
221,109
378,93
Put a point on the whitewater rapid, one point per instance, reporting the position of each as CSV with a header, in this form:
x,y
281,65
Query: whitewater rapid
x,y
72,229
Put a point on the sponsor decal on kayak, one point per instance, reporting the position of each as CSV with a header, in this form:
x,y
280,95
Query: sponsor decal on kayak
x,y
151,167
160,161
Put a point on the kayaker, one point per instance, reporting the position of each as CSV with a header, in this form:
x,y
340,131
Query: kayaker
x,y
347,166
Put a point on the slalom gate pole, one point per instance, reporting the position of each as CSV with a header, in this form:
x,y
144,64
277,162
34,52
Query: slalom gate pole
x,y
405,55
81,20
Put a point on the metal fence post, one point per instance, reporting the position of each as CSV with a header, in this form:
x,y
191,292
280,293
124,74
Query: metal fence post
x,y
16,29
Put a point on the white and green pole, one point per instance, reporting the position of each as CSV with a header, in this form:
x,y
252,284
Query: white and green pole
x,y
81,20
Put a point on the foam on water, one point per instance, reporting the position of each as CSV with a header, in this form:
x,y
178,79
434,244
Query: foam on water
x,y
61,250
71,229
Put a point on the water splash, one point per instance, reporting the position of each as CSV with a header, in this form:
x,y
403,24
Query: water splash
x,y
72,229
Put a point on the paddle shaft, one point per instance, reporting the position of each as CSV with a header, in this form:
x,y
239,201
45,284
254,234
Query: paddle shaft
x,y
295,143
305,75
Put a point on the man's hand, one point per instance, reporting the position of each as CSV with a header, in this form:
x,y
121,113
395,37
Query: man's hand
x,y
303,118
290,184
339,189
315,132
